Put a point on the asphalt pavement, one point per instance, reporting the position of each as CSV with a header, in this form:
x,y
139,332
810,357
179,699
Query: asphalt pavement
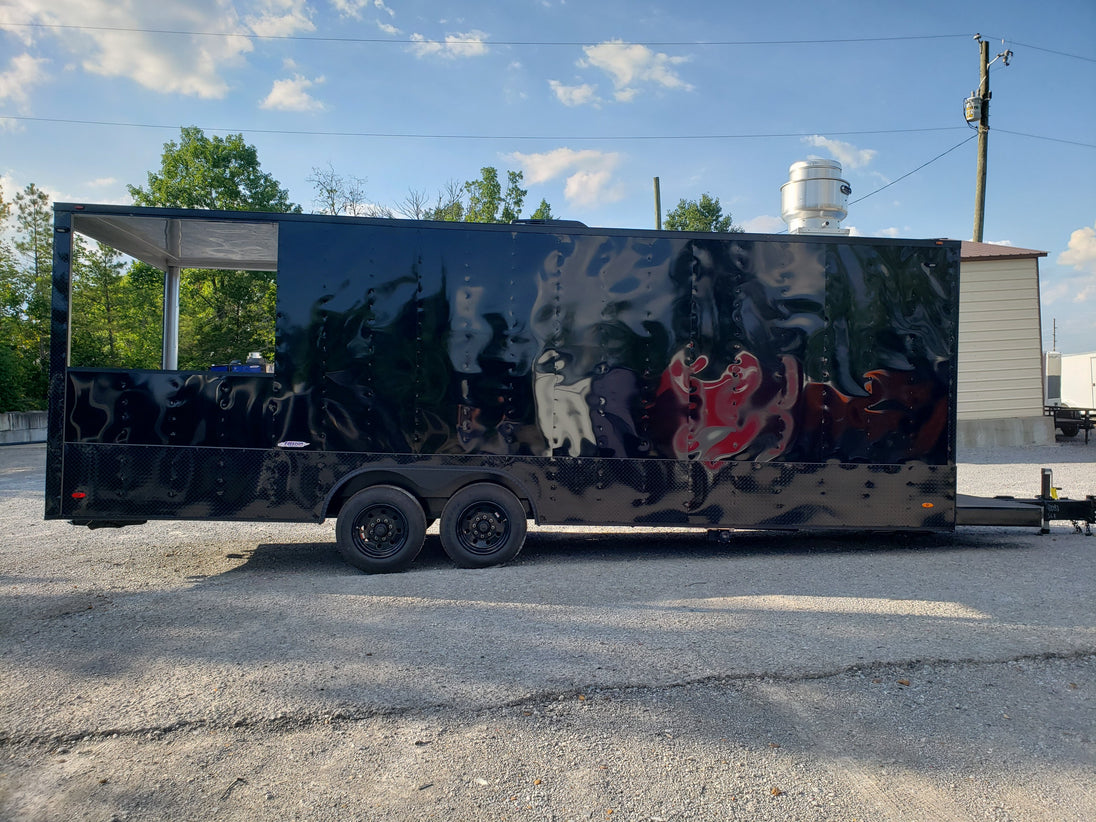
x,y
200,670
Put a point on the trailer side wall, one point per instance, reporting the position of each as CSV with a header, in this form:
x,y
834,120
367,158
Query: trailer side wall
x,y
618,377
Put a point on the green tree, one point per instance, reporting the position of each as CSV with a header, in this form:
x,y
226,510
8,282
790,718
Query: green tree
x,y
544,211
26,277
111,306
482,200
705,214
217,173
488,203
97,277
12,379
13,370
11,292
449,207
223,314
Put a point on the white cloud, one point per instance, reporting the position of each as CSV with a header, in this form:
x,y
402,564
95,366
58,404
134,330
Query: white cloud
x,y
292,95
281,18
764,224
589,174
101,182
1081,251
177,64
20,11
540,168
631,65
591,188
10,186
470,44
350,8
388,28
24,72
1080,254
845,153
354,8
580,95
1077,288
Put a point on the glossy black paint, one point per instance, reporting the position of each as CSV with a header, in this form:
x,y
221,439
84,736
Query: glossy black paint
x,y
605,376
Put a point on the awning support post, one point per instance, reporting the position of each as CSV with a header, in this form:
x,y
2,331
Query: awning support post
x,y
170,358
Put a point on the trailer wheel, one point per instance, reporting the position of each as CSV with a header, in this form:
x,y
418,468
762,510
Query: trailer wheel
x,y
482,525
381,529
1069,429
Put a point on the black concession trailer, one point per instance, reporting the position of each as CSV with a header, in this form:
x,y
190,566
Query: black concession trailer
x,y
480,375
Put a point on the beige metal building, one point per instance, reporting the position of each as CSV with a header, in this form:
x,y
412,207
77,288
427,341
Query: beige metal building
x,y
1000,348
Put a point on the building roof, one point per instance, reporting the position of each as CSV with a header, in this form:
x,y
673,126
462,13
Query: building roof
x,y
989,251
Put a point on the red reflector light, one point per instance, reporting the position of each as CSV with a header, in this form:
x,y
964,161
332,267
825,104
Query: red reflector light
x,y
78,495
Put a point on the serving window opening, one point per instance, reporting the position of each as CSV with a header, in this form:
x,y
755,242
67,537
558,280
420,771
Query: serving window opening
x,y
173,294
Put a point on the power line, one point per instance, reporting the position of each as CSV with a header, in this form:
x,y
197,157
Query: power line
x,y
390,135
487,43
459,42
1050,139
1048,51
907,174
422,136
411,41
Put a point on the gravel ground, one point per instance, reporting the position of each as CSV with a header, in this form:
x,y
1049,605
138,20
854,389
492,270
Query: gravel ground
x,y
240,672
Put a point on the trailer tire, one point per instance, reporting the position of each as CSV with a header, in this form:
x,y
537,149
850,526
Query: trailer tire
x,y
1069,429
381,529
482,525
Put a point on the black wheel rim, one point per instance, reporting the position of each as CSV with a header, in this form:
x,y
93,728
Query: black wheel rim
x,y
483,528
380,531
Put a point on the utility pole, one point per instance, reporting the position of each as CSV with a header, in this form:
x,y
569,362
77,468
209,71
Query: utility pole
x,y
983,146
977,110
658,205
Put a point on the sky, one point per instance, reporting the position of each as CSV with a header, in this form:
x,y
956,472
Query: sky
x,y
590,100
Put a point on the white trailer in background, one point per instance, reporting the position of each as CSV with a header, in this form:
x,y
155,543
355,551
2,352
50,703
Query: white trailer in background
x,y
1079,380
1071,391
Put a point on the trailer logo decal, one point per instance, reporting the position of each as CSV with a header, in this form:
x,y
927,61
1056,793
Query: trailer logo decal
x,y
293,444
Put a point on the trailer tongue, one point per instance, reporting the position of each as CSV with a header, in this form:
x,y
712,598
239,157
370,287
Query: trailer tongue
x,y
1038,512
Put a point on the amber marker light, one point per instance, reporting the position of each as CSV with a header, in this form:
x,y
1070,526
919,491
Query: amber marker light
x,y
927,505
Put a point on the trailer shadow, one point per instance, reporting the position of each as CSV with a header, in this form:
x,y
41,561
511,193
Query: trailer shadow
x,y
556,548
552,547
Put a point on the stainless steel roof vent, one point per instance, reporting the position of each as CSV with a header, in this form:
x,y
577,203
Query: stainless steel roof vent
x,y
815,198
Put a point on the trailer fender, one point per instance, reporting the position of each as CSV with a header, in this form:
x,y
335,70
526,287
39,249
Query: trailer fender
x,y
432,486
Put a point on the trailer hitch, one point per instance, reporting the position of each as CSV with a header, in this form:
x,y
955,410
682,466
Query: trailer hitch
x,y
1055,508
